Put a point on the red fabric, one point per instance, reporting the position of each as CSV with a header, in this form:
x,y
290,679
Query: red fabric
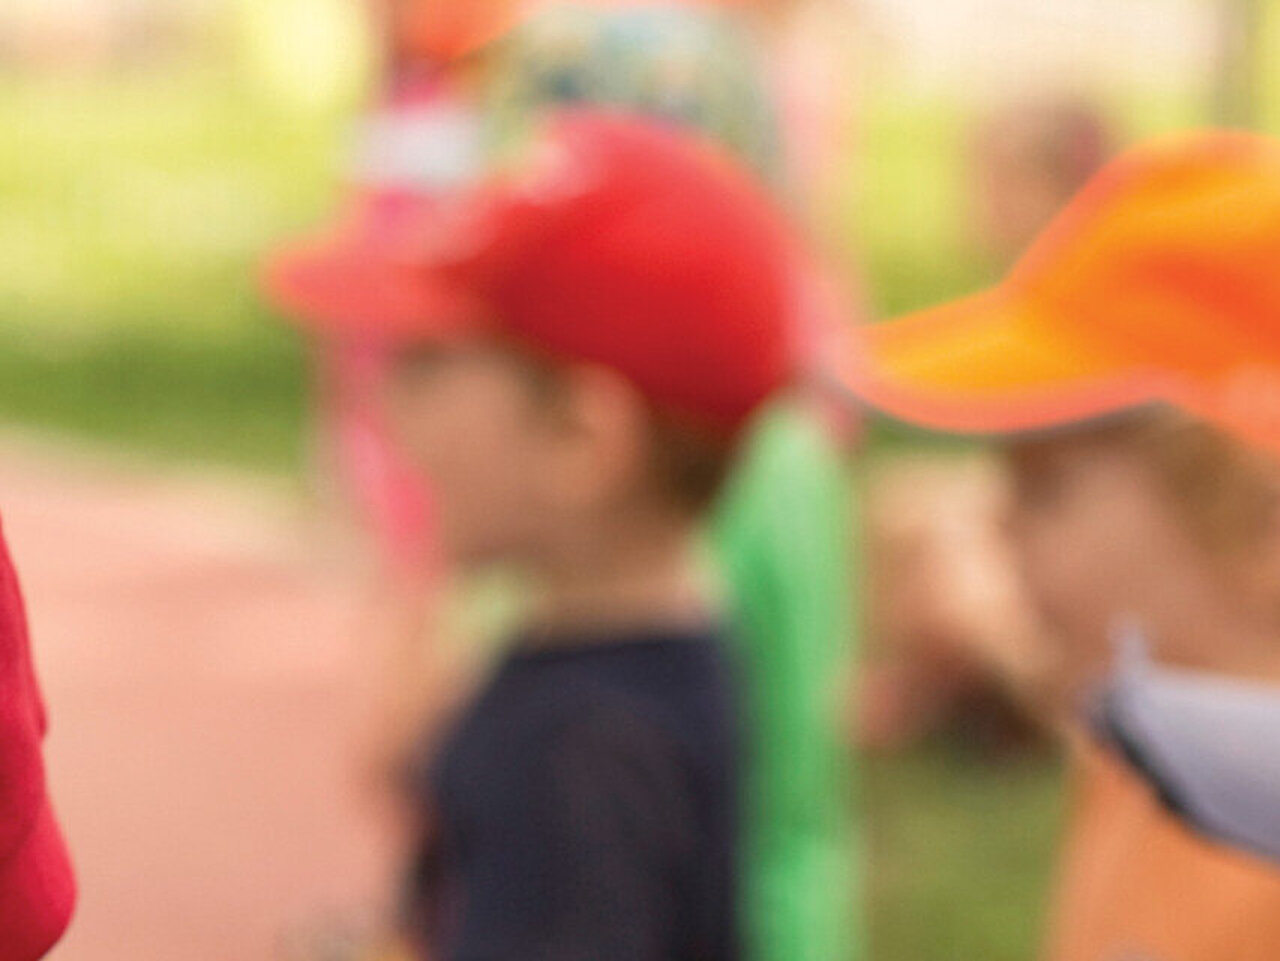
x,y
37,889
393,498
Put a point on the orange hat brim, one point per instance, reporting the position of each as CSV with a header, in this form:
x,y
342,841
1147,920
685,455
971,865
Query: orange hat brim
x,y
990,364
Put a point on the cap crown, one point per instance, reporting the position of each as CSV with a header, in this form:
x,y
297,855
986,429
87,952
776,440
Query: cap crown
x,y
627,244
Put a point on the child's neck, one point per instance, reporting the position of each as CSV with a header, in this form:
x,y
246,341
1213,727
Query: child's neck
x,y
645,582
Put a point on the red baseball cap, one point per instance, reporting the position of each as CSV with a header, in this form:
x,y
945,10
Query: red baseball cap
x,y
616,241
37,888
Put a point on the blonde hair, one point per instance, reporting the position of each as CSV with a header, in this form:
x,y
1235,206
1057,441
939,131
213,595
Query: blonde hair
x,y
1224,490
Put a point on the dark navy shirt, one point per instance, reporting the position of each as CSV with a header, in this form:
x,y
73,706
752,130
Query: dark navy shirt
x,y
585,808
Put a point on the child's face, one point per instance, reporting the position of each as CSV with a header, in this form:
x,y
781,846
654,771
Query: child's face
x,y
523,461
1097,539
467,417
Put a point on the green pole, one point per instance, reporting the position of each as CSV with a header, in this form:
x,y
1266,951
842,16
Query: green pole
x,y
786,541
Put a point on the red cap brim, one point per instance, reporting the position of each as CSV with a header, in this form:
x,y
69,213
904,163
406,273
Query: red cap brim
x,y
364,278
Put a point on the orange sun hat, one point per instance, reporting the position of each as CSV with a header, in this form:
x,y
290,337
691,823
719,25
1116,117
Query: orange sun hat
x,y
1159,283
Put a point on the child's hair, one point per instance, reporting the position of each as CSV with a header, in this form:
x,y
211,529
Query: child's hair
x,y
1222,489
1065,139
688,465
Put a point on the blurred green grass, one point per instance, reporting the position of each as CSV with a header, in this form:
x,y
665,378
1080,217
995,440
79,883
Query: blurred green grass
x,y
961,852
132,211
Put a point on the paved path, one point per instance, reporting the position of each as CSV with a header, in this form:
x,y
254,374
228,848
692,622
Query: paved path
x,y
197,660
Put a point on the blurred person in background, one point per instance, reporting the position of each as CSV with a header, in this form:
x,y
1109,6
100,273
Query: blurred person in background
x,y
551,354
1027,159
37,887
956,649
1134,354
812,49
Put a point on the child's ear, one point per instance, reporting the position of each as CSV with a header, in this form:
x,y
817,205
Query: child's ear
x,y
606,429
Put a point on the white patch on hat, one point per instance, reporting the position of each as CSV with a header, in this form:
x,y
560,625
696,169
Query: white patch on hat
x,y
435,148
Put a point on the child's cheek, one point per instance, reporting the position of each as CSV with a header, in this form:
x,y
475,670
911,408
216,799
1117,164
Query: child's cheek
x,y
487,487
1053,564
